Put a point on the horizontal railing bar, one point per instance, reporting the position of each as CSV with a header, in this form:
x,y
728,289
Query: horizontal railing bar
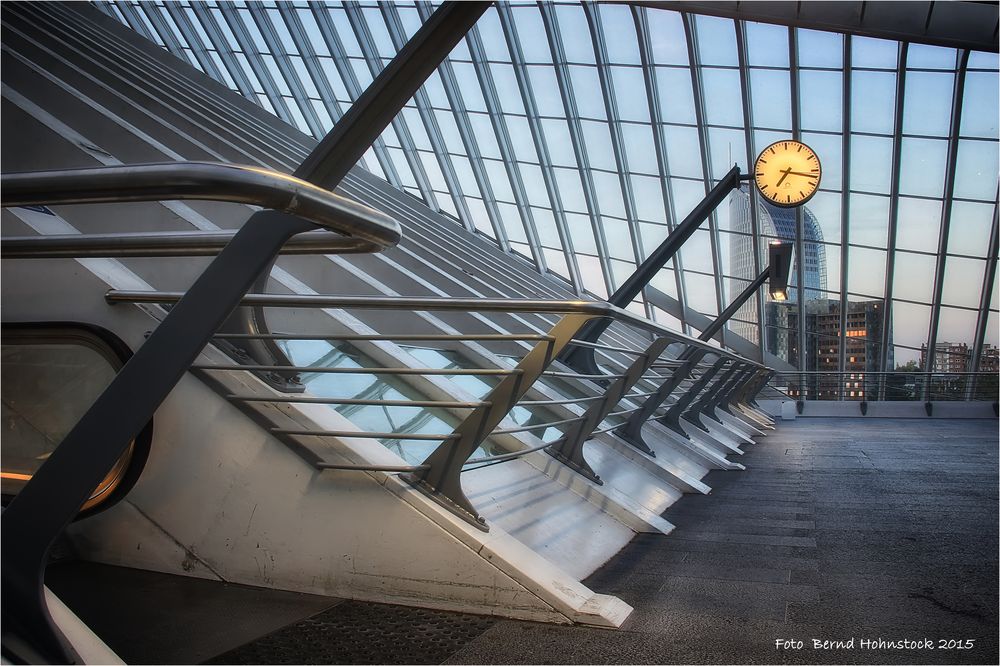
x,y
624,411
166,244
551,424
358,401
384,302
507,456
594,308
577,375
600,347
358,371
404,337
371,468
568,401
362,434
204,181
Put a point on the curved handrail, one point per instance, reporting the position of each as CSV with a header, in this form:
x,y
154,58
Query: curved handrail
x,y
206,181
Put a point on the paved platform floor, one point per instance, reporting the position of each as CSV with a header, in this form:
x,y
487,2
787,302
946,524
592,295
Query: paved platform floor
x,y
838,529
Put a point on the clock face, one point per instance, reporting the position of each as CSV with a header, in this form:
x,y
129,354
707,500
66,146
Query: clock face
x,y
787,173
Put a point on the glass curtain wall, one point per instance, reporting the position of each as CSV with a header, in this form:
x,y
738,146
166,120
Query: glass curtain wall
x,y
576,136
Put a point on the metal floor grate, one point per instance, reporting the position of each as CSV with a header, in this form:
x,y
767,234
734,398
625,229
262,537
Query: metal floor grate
x,y
356,632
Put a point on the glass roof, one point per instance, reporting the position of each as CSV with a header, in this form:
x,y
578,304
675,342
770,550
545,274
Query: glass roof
x,y
576,136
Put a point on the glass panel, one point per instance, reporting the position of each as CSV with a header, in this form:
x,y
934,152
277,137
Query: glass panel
x,y
767,45
867,271
573,23
598,145
519,133
821,100
668,41
617,21
963,282
648,199
534,185
491,35
870,52
630,93
582,233
976,170
918,224
871,163
825,210
913,277
545,88
723,104
726,147
922,166
970,228
587,92
924,56
979,105
508,92
609,193
873,100
639,148
716,41
820,49
869,220
676,97
771,98
910,324
559,143
683,152
700,291
531,34
927,103
983,60
697,252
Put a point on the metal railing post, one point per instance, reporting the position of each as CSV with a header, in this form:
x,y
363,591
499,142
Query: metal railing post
x,y
442,478
703,405
631,432
569,448
740,382
672,418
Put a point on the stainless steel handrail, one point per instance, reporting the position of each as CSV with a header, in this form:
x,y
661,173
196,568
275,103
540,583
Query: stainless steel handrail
x,y
207,181
166,244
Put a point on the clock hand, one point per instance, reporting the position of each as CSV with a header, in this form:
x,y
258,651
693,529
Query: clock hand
x,y
784,174
807,175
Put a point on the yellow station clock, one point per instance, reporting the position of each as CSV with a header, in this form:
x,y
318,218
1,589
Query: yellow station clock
x,y
787,173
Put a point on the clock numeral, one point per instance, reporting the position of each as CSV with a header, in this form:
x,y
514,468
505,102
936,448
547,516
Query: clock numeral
x,y
802,194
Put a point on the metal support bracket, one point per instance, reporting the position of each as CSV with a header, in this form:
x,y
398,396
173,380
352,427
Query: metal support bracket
x,y
569,448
